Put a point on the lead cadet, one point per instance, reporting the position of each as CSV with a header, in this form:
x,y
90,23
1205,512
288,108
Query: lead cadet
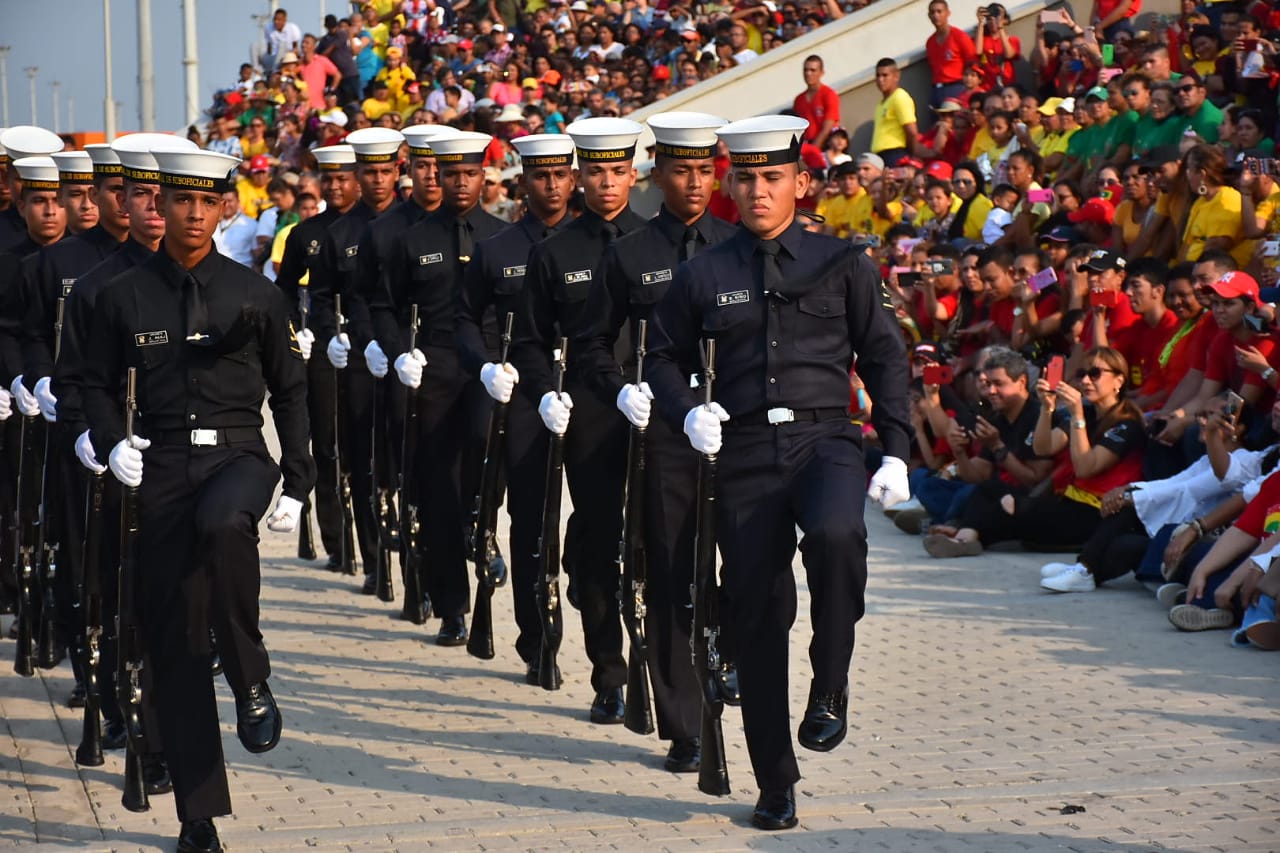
x,y
12,225
375,249
334,274
337,165
425,268
788,309
129,159
637,271
559,275
208,338
492,286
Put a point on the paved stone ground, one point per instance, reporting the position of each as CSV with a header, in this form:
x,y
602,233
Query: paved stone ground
x,y
980,708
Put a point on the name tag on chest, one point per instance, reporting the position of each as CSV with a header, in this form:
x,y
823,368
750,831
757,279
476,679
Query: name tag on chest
x,y
433,258
655,277
352,251
513,272
150,339
66,286
577,277
733,297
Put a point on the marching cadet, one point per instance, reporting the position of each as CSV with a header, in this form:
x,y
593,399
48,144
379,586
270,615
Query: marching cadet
x,y
637,271
425,268
208,338
25,141
333,275
559,276
337,165
788,309
11,224
374,252
492,287
128,159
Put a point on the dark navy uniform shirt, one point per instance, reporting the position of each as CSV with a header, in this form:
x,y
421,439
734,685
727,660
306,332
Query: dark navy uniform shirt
x,y
12,312
335,273
301,252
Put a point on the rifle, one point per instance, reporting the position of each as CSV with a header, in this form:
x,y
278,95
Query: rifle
x,y
25,542
713,774
129,662
633,561
480,640
306,539
414,609
381,499
347,546
48,652
89,752
547,591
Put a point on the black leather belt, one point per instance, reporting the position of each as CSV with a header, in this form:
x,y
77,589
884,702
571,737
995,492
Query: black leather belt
x,y
780,415
206,437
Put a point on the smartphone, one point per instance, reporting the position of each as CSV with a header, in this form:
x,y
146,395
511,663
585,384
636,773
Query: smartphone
x,y
1050,16
1235,405
1256,323
1250,45
1075,66
1045,278
1104,299
909,279
1053,371
1270,248
938,374
942,266
873,240
1108,54
1040,196
967,418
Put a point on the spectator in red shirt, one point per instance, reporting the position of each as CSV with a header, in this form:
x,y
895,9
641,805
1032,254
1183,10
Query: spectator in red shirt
x,y
952,133
996,269
949,50
938,297
996,48
1146,340
817,104
1112,315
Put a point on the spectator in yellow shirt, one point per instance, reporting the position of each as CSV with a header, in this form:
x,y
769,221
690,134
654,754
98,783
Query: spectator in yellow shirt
x,y
397,76
837,210
378,103
253,190
894,133
876,210
1214,221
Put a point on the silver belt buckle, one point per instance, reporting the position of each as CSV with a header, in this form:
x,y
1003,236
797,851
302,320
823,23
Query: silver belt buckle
x,y
204,438
781,416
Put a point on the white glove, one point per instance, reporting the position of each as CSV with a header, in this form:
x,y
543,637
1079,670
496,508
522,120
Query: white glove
x,y
889,485
84,452
636,402
306,339
555,411
6,405
28,405
409,367
126,460
375,359
284,519
702,425
48,402
339,347
499,380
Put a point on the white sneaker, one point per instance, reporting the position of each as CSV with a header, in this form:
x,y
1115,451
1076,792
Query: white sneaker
x,y
905,506
1172,594
1075,579
1049,570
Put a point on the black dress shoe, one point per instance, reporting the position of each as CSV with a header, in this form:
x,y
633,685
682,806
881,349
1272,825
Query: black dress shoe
x,y
684,755
333,564
215,659
198,836
76,699
729,690
608,707
824,725
776,809
531,674
155,773
453,631
258,721
370,585
114,735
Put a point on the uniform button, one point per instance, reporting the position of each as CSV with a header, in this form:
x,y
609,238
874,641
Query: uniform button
x,y
192,417
773,343
773,380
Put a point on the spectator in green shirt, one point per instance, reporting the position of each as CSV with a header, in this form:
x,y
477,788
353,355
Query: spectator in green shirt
x,y
1198,114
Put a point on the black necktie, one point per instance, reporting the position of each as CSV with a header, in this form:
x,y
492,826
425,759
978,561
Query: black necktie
x,y
771,270
610,232
690,247
465,244
195,311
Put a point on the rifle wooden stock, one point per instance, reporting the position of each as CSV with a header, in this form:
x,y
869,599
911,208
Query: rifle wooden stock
x,y
347,543
414,609
89,751
547,590
306,538
713,774
480,639
25,554
130,661
633,561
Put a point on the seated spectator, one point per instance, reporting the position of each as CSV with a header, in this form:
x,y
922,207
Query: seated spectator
x,y
952,133
1099,436
1214,222
1004,198
971,310
1132,212
1198,114
939,212
967,183
995,267
837,209
938,297
1059,123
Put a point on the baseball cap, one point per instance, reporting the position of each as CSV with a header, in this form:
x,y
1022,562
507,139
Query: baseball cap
x,y
492,174
689,34
1099,92
1068,105
551,78
1063,234
950,105
939,169
926,351
1235,284
873,159
1050,106
529,83
1101,260
465,44
1094,210
260,163
579,6
661,72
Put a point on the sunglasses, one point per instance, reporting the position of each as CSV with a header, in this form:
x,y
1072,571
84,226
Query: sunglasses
x,y
1190,87
1094,373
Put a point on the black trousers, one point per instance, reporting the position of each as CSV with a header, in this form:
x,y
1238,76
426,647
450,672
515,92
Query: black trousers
x,y
1047,519
357,388
526,475
670,523
1116,547
198,562
320,400
771,480
595,468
